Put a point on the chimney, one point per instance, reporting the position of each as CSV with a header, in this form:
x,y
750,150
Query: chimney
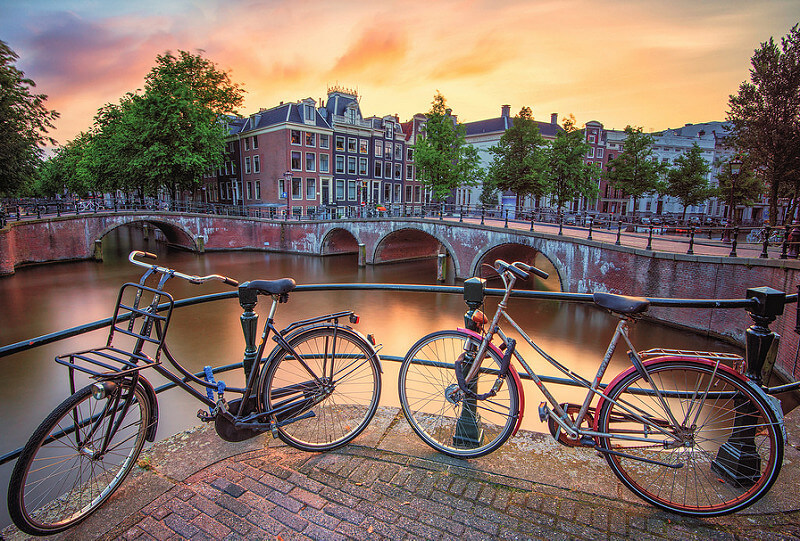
x,y
553,118
505,111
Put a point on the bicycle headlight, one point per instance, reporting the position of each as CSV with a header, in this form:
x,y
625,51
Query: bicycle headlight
x,y
102,389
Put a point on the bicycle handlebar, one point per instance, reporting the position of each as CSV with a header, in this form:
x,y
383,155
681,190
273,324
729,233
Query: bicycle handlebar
x,y
189,277
520,269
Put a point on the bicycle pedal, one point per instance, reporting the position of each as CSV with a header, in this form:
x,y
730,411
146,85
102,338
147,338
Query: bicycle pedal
x,y
544,412
204,416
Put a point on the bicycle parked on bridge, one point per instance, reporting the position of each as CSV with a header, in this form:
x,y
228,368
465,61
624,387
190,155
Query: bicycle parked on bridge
x,y
316,390
681,429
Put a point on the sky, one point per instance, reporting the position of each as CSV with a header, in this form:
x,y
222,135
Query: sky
x,y
651,63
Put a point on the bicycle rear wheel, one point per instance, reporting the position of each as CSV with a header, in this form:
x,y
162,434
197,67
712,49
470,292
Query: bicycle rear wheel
x,y
63,474
328,394
437,409
713,444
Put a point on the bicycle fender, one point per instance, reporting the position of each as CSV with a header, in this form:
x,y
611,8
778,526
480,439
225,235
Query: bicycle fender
x,y
513,372
772,402
152,423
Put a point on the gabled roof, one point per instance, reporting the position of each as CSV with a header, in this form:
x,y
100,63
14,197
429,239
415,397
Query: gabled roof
x,y
285,112
502,123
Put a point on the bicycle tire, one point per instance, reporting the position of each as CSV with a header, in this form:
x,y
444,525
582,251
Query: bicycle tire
x,y
338,408
709,481
56,484
435,407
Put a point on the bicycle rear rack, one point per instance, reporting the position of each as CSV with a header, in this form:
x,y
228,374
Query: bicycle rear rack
x,y
132,325
730,359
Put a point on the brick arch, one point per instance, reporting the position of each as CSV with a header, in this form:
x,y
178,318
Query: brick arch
x,y
515,251
339,240
411,243
175,233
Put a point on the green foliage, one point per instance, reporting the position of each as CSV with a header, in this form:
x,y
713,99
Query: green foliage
x,y
567,173
443,158
688,181
765,117
636,171
24,121
520,159
742,189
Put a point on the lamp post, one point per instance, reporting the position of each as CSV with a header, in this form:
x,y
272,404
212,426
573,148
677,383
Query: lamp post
x,y
361,200
735,168
287,185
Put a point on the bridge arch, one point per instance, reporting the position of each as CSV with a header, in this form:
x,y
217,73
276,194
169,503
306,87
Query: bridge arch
x,y
339,240
513,251
410,243
174,232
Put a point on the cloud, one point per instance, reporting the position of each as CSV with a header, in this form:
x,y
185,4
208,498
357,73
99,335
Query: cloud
x,y
377,52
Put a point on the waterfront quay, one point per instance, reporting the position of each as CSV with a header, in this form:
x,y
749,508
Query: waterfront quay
x,y
389,485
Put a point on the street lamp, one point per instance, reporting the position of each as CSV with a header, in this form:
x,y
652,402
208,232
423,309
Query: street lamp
x,y
735,169
287,186
361,201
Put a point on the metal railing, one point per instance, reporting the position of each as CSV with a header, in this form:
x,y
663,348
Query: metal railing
x,y
35,342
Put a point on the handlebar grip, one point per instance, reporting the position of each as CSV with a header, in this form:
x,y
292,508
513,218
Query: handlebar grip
x,y
516,270
231,282
530,268
148,255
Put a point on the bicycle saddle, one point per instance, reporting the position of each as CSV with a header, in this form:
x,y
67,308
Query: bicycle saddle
x,y
269,287
621,303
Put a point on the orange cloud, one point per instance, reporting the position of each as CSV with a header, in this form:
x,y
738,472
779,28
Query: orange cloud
x,y
377,51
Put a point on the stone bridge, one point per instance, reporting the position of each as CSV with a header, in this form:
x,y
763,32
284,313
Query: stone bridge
x,y
576,265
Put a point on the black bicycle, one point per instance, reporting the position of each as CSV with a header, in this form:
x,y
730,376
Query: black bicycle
x,y
316,390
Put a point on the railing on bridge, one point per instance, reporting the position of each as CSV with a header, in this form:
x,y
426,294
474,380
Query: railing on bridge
x,y
751,304
781,242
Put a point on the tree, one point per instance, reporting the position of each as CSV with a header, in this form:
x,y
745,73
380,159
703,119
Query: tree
x,y
688,181
444,159
765,117
567,173
743,189
24,121
520,159
635,171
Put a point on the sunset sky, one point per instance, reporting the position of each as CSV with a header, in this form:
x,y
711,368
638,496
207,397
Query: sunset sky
x,y
650,63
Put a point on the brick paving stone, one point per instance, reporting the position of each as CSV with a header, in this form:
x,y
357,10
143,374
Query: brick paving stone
x,y
181,526
211,526
319,518
289,518
285,501
345,513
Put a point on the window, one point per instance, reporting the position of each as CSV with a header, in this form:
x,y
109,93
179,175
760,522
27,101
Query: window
x,y
340,143
295,137
389,131
398,171
311,139
590,153
351,165
309,112
311,161
339,189
398,151
387,193
311,189
255,141
246,143
363,166
351,190
249,189
377,169
409,172
351,144
339,164
256,164
297,161
599,153
350,114
258,189
282,184
387,170
417,193
324,140
378,149
388,151
592,138
409,154
408,194
297,188
247,165
324,163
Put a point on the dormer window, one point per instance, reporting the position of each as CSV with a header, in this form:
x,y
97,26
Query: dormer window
x,y
350,115
389,131
309,113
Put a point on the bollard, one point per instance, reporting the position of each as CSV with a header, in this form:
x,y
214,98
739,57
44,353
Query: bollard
x,y
531,221
690,251
483,214
98,250
734,242
765,244
468,432
506,224
200,242
619,234
649,238
362,255
441,267
249,321
461,214
560,224
591,223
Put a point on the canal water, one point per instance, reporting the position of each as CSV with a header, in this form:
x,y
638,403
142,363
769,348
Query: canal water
x,y
42,299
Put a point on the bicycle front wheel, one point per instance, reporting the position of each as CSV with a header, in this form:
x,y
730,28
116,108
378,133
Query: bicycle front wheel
x,y
442,415
694,439
68,469
327,394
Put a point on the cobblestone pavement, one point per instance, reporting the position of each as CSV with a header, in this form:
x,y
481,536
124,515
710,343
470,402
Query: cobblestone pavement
x,y
360,493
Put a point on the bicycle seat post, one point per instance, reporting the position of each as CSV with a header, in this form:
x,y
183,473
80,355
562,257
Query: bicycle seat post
x,y
249,319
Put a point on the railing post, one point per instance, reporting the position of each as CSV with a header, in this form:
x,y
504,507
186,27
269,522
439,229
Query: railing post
x,y
765,245
649,237
531,220
734,242
483,214
591,223
690,251
461,213
560,224
619,233
506,223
